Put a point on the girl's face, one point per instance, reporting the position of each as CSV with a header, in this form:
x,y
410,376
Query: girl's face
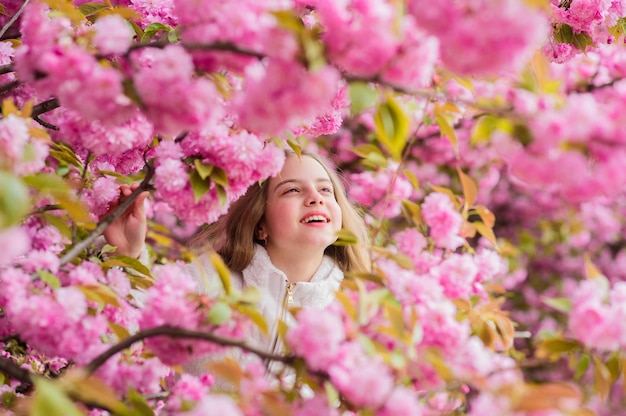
x,y
301,211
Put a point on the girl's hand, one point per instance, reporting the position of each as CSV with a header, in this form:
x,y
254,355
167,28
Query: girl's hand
x,y
128,231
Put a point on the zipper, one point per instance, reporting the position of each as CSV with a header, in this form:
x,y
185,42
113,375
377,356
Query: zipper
x,y
287,301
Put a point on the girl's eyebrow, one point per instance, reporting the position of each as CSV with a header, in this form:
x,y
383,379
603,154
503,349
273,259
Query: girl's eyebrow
x,y
287,181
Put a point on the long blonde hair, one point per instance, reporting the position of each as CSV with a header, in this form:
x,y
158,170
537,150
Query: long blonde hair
x,y
233,236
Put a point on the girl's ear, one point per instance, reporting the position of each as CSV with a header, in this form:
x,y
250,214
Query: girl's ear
x,y
261,233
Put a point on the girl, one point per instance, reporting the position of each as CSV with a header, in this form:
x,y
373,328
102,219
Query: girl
x,y
278,238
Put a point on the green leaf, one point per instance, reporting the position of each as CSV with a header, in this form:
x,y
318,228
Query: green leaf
x,y
62,193
412,212
295,146
446,128
391,127
128,262
560,304
204,170
152,29
14,200
222,196
581,368
345,238
91,8
219,177
485,126
614,365
50,400
8,400
139,403
362,96
100,294
367,149
556,346
63,153
199,186
50,279
582,41
219,313
563,33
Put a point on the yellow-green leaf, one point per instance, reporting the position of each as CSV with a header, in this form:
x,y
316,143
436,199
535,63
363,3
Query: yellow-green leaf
x,y
345,238
222,271
50,279
554,347
591,270
127,262
295,146
91,8
101,294
199,186
255,316
486,215
486,232
601,378
412,178
362,96
391,127
219,176
219,313
560,304
469,186
139,404
51,400
14,200
204,170
89,389
446,128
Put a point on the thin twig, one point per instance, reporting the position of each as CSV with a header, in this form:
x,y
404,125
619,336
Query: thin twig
x,y
45,208
5,69
13,19
45,106
174,332
45,123
216,46
102,225
8,87
10,337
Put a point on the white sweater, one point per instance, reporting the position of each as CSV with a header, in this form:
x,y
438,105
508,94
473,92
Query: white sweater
x,y
277,294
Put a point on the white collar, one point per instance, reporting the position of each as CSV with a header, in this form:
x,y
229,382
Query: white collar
x,y
261,269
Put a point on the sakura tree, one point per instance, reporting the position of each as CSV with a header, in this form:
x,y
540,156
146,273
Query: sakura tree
x,y
483,139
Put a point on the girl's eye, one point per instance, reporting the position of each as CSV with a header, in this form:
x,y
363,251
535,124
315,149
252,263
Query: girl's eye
x,y
327,190
290,190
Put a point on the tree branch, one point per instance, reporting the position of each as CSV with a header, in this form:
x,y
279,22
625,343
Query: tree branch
x,y
11,369
8,87
102,225
217,46
13,19
45,106
5,69
174,332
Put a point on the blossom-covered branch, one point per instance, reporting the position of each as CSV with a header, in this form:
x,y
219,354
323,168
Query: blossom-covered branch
x,y
181,333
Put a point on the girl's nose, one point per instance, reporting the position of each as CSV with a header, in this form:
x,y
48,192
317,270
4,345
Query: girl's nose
x,y
315,199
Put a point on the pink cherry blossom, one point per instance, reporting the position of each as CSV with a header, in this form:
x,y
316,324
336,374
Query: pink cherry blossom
x,y
316,337
444,221
113,34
